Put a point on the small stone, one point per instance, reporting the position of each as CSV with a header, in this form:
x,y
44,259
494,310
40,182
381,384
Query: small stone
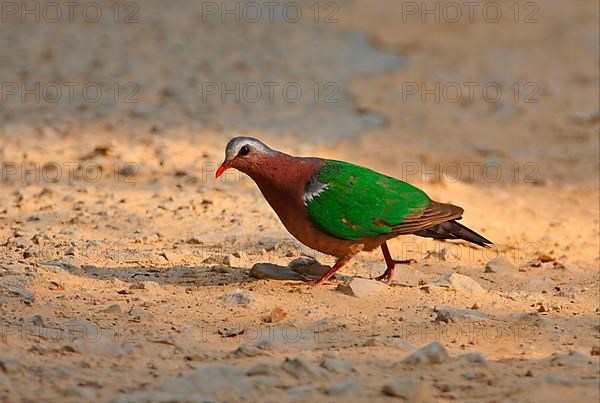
x,y
300,369
342,388
433,353
151,286
308,266
361,287
139,314
595,350
209,383
237,297
263,369
474,358
448,314
459,283
114,309
409,389
277,314
194,240
248,350
9,365
338,366
273,272
500,264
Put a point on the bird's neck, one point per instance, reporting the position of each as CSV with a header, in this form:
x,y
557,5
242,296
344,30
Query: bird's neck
x,y
282,178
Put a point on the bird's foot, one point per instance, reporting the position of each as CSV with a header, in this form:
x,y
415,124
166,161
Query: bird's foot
x,y
386,276
314,282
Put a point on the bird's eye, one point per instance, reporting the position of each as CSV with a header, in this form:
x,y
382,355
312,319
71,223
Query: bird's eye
x,y
244,150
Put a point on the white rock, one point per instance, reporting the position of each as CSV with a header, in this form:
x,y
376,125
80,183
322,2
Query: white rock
x,y
238,297
412,390
361,287
459,283
433,353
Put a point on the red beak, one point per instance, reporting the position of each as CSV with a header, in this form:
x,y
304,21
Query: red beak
x,y
224,166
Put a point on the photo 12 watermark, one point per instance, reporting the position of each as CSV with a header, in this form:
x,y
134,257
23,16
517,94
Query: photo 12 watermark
x,y
469,92
68,92
54,12
29,172
454,12
269,92
252,12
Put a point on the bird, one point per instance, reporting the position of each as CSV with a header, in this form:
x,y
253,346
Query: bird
x,y
342,209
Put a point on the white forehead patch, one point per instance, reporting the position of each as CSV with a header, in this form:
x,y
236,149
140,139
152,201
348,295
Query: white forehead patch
x,y
236,143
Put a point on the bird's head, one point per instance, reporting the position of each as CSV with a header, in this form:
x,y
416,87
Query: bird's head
x,y
245,154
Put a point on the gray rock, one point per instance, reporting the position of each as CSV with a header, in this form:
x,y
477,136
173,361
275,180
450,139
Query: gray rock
x,y
308,267
500,264
14,269
412,390
300,369
273,272
361,287
26,296
238,297
102,346
433,353
9,365
248,350
342,388
139,314
300,390
338,366
151,286
390,341
459,283
263,369
209,383
475,358
449,314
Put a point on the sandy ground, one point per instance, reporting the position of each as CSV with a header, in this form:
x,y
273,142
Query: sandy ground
x,y
124,272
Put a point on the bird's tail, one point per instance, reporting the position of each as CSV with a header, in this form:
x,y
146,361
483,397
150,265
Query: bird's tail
x,y
454,230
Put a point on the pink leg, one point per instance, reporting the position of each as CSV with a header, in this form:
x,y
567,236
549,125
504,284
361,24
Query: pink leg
x,y
391,263
389,271
338,265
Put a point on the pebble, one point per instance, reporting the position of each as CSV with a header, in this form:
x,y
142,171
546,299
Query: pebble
x,y
308,267
265,369
238,297
150,286
449,314
139,314
248,350
300,369
595,350
9,365
277,314
475,358
209,383
500,264
459,283
433,353
273,272
113,309
408,389
338,366
361,287
342,388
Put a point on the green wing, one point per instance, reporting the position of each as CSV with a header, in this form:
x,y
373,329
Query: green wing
x,y
352,202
